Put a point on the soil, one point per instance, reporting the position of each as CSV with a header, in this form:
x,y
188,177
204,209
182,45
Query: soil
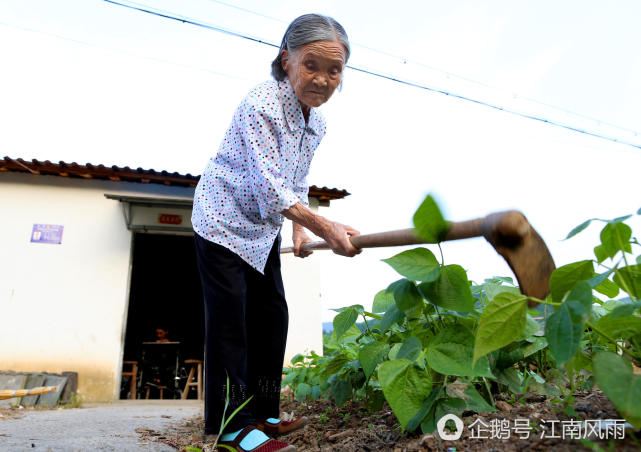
x,y
351,428
10,413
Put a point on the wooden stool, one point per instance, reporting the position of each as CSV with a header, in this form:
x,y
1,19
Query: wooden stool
x,y
161,388
196,366
133,373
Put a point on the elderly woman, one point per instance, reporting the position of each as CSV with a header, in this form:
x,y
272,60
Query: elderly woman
x,y
257,178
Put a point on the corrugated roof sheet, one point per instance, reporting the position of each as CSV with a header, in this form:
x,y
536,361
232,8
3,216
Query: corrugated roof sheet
x,y
127,174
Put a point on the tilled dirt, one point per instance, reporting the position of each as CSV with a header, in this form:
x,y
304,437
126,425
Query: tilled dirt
x,y
351,428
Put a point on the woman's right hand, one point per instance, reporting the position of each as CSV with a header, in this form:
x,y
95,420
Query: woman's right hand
x,y
338,235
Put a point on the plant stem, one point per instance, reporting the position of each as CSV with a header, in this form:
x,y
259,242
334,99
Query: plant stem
x,y
367,325
626,288
439,316
442,257
538,300
489,393
623,350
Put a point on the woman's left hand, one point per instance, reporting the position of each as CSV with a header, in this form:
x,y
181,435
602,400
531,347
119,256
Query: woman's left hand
x,y
299,238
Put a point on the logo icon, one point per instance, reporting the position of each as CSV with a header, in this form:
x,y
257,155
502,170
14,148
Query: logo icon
x,y
445,435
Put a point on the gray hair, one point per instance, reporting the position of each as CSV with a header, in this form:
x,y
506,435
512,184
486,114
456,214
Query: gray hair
x,y
305,29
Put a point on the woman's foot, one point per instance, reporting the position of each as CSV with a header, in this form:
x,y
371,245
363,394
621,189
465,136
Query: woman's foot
x,y
250,439
273,427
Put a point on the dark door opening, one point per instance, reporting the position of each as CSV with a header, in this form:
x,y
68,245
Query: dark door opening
x,y
165,293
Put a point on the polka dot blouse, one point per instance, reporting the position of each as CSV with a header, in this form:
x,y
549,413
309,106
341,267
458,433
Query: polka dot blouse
x,y
260,170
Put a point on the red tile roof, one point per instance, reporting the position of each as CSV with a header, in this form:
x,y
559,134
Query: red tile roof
x,y
117,173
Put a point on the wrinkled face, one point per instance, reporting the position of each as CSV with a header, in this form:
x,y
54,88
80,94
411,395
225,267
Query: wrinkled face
x,y
315,70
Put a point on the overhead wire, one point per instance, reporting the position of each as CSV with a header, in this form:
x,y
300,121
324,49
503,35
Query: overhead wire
x,y
448,74
186,20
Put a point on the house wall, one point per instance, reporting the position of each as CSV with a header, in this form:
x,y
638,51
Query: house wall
x,y
63,307
302,281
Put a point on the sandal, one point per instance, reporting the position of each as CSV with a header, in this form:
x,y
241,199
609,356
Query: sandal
x,y
273,427
250,439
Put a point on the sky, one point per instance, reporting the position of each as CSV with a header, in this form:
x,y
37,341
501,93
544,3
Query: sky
x,y
91,81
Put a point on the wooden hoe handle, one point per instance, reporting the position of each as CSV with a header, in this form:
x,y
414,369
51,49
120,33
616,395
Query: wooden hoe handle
x,y
508,232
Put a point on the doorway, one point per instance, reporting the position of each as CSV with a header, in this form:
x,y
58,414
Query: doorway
x,y
165,294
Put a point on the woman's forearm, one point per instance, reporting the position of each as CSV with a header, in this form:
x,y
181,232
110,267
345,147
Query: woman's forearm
x,y
303,216
335,234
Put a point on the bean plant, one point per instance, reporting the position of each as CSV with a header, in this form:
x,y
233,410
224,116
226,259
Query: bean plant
x,y
436,343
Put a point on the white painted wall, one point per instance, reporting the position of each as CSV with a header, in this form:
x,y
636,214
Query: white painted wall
x,y
63,307
302,281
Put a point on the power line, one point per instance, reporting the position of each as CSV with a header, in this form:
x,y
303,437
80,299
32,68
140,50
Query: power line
x,y
442,71
176,17
179,18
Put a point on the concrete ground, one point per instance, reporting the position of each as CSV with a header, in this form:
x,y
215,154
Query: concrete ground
x,y
94,427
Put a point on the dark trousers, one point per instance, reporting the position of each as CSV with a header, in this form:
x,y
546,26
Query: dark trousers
x,y
246,322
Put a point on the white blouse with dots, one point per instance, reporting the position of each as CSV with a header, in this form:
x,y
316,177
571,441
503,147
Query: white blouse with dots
x,y
260,170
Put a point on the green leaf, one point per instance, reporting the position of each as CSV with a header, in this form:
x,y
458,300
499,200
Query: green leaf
x,y
620,219
615,378
383,300
405,387
418,264
579,228
539,344
511,378
344,320
467,392
615,237
629,279
394,351
429,222
501,322
336,364
564,278
608,288
316,392
502,279
225,446
391,317
564,329
600,278
492,290
600,253
427,405
298,358
302,391
429,422
624,310
451,290
411,349
341,391
372,354
476,402
449,405
375,399
531,328
617,327
582,293
406,295
450,352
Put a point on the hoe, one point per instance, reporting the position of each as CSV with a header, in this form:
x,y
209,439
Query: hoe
x,y
508,232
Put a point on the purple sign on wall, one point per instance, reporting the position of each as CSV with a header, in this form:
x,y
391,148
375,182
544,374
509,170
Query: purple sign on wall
x,y
47,233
